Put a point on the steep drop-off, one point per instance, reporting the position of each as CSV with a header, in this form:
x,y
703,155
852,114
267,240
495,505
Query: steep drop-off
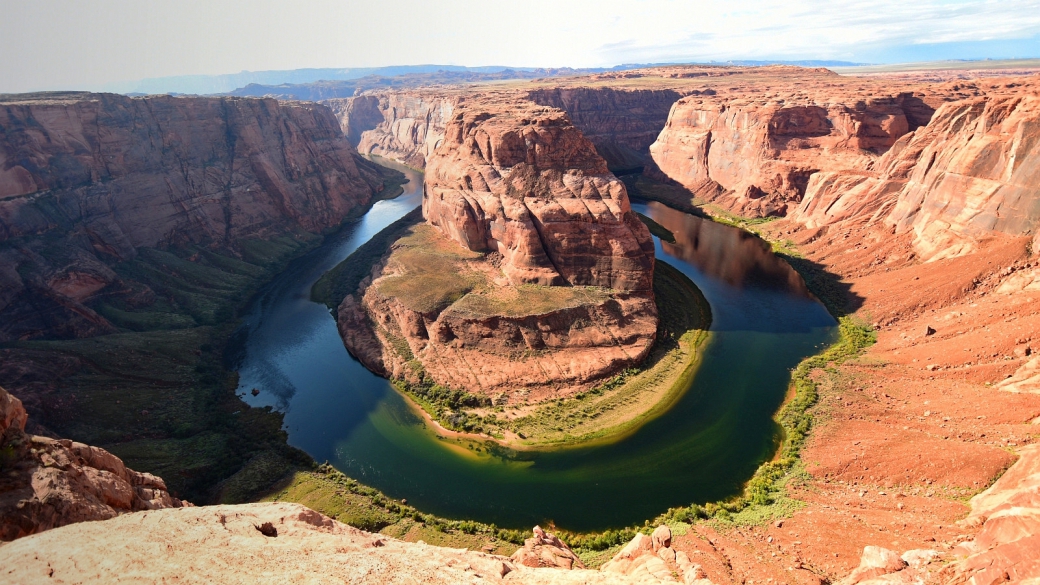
x,y
86,180
533,277
755,156
46,483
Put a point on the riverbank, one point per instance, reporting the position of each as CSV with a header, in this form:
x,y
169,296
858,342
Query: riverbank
x,y
160,393
605,413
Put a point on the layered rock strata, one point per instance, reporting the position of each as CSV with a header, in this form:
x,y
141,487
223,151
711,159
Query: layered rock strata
x,y
87,179
556,270
972,172
403,126
46,483
622,123
757,156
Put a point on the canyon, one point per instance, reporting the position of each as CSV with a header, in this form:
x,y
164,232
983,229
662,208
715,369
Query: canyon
x,y
557,293
910,206
88,179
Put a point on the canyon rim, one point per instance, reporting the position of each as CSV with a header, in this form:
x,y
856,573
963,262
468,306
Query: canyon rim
x,y
703,323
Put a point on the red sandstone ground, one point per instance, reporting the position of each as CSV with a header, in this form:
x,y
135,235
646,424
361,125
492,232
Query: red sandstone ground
x,y
908,432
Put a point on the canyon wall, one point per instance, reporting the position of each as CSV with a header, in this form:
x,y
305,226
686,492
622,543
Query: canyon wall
x,y
408,125
403,126
622,123
87,179
970,173
552,273
755,156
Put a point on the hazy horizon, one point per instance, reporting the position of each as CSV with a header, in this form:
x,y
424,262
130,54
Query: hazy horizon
x,y
51,45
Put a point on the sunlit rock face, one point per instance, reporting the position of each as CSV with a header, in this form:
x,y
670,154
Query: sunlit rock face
x,y
524,194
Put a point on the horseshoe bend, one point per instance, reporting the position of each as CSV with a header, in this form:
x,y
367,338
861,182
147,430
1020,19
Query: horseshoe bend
x,y
691,323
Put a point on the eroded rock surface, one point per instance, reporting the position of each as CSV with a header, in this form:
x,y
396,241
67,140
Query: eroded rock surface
x,y
87,179
552,286
756,156
46,483
308,547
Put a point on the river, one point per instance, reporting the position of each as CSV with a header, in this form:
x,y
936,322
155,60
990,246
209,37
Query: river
x,y
702,449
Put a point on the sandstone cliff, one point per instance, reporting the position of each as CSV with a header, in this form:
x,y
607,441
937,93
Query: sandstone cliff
x,y
622,123
46,483
970,173
87,179
403,126
550,286
756,156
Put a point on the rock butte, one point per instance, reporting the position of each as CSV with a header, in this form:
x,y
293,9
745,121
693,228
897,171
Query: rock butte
x,y
916,192
519,184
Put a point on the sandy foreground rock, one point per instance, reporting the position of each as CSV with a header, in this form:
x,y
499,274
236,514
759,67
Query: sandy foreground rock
x,y
223,544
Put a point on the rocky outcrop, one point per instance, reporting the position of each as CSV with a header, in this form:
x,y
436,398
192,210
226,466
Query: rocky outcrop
x,y
1008,514
545,549
551,271
403,126
756,157
651,559
622,123
522,181
296,544
87,179
972,172
46,483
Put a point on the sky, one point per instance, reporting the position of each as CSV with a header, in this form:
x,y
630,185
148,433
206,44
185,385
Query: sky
x,y
80,44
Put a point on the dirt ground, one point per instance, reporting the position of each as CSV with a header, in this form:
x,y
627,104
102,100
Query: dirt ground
x,y
907,433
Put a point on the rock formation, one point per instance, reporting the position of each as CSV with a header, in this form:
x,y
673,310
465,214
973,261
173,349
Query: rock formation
x,y
304,546
87,179
403,126
970,173
651,558
756,156
46,483
546,550
526,212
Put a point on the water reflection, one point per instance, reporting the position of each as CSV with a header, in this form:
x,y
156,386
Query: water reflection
x,y
736,257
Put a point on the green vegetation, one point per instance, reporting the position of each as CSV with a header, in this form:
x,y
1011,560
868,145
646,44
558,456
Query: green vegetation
x,y
158,393
426,275
330,492
607,412
346,277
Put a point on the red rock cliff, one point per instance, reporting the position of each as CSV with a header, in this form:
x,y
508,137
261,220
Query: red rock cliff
x,y
756,156
96,176
970,173
524,182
